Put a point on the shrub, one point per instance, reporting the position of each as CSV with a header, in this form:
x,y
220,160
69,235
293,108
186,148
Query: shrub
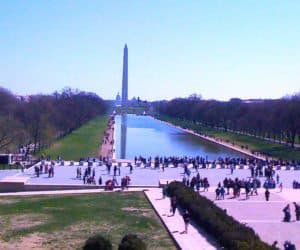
x,y
225,229
97,242
132,242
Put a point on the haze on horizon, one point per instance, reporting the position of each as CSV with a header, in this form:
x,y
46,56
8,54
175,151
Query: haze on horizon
x,y
219,49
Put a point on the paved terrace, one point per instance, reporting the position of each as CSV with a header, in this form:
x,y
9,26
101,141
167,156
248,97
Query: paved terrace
x,y
141,176
264,217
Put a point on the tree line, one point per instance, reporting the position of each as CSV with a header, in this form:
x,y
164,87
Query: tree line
x,y
40,119
273,119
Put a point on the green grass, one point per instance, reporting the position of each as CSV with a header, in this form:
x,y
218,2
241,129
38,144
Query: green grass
x,y
83,142
279,151
6,166
65,222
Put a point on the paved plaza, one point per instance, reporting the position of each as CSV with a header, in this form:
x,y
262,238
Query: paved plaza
x,y
140,176
264,217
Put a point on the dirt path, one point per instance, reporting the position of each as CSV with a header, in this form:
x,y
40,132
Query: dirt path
x,y
106,149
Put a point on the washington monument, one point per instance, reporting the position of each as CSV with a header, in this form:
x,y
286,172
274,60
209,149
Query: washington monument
x,y
125,77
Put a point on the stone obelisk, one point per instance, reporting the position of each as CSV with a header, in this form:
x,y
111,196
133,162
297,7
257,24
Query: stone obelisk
x,y
125,77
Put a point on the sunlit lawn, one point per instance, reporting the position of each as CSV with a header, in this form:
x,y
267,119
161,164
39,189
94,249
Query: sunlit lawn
x,y
83,142
65,222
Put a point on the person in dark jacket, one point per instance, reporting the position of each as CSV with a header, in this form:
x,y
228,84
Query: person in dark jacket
x,y
186,219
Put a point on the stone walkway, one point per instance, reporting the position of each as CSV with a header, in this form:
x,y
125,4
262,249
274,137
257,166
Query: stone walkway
x,y
194,239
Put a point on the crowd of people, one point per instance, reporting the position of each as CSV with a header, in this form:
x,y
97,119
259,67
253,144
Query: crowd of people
x,y
226,187
296,184
202,162
196,182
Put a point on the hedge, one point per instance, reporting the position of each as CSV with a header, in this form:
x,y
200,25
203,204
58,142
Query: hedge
x,y
228,232
97,242
132,242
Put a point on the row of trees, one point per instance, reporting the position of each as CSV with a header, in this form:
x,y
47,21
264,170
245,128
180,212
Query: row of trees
x,y
39,119
274,119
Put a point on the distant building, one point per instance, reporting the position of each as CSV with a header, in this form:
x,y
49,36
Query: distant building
x,y
118,100
254,100
23,98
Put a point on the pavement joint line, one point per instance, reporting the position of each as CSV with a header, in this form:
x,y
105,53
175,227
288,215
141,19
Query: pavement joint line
x,y
248,201
267,221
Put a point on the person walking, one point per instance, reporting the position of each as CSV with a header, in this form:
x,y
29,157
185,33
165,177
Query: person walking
x,y
173,205
186,219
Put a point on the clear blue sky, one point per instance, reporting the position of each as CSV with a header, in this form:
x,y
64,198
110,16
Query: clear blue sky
x,y
219,49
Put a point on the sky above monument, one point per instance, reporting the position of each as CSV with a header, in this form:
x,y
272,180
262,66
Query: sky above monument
x,y
219,49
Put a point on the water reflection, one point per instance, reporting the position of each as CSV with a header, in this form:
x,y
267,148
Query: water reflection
x,y
143,135
123,135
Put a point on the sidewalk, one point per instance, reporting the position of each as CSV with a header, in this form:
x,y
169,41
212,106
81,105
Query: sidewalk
x,y
194,239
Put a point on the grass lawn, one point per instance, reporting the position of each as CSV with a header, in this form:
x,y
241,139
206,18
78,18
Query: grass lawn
x,y
83,142
6,166
66,221
254,144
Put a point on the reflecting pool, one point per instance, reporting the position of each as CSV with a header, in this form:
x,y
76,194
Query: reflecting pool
x,y
146,136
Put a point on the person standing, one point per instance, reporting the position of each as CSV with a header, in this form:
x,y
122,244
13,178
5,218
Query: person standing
x,y
164,190
297,211
186,219
130,168
277,178
267,194
254,190
231,169
287,213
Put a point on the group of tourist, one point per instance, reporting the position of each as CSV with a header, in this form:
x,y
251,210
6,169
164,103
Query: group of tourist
x,y
110,184
287,212
46,168
196,182
89,175
236,185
